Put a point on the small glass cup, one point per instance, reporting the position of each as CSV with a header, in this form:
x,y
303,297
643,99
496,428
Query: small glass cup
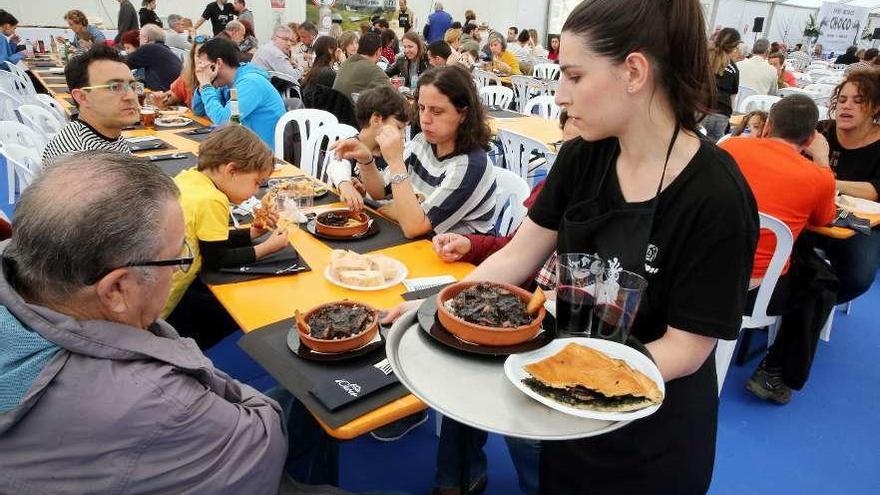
x,y
617,304
578,276
148,116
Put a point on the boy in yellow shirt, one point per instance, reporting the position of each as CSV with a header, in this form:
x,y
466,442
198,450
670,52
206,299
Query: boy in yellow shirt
x,y
232,163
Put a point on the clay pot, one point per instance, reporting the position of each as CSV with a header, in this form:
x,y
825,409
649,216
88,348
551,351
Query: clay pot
x,y
479,334
355,230
338,345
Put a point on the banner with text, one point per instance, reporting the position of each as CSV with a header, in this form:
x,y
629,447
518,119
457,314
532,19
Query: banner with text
x,y
840,25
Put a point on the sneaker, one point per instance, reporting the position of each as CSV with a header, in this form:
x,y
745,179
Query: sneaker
x,y
398,429
767,384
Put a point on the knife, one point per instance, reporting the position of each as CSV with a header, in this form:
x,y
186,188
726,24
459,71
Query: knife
x,y
172,156
200,130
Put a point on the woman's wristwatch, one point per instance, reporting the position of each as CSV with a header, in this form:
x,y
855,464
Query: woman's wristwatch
x,y
399,178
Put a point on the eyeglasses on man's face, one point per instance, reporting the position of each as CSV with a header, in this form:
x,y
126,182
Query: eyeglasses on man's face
x,y
183,263
119,87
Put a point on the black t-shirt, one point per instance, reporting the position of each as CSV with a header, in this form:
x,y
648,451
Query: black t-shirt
x,y
403,21
147,16
727,85
705,229
846,59
858,164
218,17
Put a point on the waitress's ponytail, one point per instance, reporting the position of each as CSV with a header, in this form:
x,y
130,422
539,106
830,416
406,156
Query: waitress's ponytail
x,y
671,33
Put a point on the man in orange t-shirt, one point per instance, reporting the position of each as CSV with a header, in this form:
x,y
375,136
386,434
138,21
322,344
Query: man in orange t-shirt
x,y
791,188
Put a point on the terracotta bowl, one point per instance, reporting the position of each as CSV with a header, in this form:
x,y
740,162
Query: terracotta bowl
x,y
330,230
339,345
479,334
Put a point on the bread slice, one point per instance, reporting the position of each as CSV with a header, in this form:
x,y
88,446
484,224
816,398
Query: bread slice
x,y
386,265
584,377
361,278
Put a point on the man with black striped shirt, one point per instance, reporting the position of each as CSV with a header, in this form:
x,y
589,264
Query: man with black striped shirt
x,y
103,89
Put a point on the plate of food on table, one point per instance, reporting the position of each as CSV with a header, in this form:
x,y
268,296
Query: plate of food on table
x,y
364,272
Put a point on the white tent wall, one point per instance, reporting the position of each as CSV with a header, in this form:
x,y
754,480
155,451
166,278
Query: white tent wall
x,y
50,12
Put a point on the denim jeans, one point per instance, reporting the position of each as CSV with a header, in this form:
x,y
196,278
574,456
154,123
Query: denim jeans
x,y
855,262
716,125
312,454
524,453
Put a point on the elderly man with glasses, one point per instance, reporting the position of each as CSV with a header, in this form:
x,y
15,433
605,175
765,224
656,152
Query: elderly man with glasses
x,y
99,395
177,35
105,92
275,54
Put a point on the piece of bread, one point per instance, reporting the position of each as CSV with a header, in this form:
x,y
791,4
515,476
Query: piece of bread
x,y
536,302
361,278
386,265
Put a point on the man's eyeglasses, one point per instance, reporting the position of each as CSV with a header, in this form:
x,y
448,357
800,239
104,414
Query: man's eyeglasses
x,y
183,263
285,38
119,87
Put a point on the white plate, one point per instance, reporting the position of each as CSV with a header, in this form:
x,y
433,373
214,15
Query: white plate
x,y
161,122
401,275
857,205
172,111
56,70
513,368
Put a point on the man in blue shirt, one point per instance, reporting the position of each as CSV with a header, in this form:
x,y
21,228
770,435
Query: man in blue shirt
x,y
9,50
218,70
437,24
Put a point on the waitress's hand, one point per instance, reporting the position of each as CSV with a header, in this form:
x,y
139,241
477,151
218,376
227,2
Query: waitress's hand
x,y
451,247
351,197
352,149
390,141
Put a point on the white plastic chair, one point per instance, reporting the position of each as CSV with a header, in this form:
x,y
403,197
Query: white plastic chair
x,y
816,74
724,138
545,105
823,112
14,85
496,96
742,93
783,92
759,317
53,105
180,53
519,151
483,78
14,132
820,92
307,121
524,88
25,162
551,87
320,141
838,66
510,193
801,79
832,80
293,88
794,63
546,71
757,102
9,103
23,75
40,119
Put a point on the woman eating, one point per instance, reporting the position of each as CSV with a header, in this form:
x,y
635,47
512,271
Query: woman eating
x,y
322,68
854,142
413,62
445,165
182,89
504,63
644,192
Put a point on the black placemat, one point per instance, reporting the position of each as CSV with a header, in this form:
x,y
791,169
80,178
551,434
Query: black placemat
x,y
43,63
281,259
174,167
390,234
268,346
149,145
194,137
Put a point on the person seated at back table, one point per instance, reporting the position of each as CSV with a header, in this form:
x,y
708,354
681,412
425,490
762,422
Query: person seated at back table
x,y
77,21
232,164
446,162
414,61
10,50
160,65
105,93
182,89
360,72
91,374
218,70
751,125
504,63
376,108
274,55
799,192
237,32
439,53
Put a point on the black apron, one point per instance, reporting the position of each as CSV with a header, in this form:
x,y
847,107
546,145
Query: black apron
x,y
671,451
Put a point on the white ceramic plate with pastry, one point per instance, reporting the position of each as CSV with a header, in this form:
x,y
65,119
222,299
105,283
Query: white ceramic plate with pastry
x,y
173,121
632,382
364,272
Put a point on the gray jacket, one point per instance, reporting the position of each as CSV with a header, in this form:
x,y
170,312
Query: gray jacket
x,y
114,409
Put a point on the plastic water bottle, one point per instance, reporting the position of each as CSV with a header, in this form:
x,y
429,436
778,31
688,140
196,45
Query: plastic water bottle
x,y
414,82
29,48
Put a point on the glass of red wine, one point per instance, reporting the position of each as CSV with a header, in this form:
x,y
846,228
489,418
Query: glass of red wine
x,y
578,276
617,303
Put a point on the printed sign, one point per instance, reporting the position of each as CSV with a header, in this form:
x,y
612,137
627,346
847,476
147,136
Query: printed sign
x,y
840,25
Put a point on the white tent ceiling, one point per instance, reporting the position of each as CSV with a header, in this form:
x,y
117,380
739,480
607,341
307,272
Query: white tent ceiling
x,y
874,5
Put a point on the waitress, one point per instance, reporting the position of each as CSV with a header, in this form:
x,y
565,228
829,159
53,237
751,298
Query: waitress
x,y
639,188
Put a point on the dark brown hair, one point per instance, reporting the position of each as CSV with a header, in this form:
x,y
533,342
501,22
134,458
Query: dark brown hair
x,y
325,53
794,119
76,16
867,84
415,38
669,33
739,129
238,145
457,84
723,44
383,100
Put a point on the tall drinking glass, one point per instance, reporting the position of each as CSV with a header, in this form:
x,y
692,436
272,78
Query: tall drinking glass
x,y
578,276
617,303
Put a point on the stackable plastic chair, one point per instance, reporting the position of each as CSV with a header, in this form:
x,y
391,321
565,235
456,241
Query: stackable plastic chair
x,y
783,92
14,132
307,121
546,71
9,103
838,66
757,102
832,80
801,79
14,85
520,152
484,78
524,88
545,105
23,75
551,87
742,93
323,137
40,119
24,161
820,93
510,193
496,96
53,105
759,317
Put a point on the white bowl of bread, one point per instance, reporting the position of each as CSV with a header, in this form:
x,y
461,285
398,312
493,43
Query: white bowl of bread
x,y
364,271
